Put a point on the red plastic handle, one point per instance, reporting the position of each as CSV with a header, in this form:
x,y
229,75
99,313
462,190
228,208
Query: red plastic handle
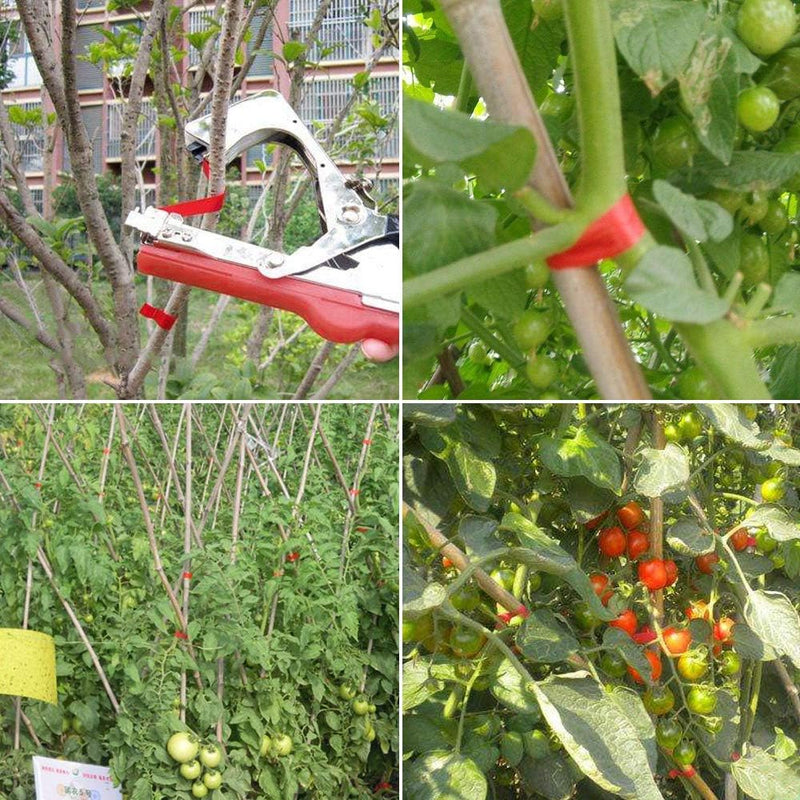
x,y
335,314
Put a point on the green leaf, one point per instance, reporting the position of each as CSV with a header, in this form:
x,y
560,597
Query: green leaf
x,y
774,620
418,684
293,50
664,283
542,638
748,645
478,534
729,419
509,688
657,38
599,737
787,293
661,470
749,170
584,454
720,745
552,777
505,296
780,451
615,639
430,414
632,707
763,777
444,776
687,538
500,156
699,219
785,373
587,501
438,63
710,88
442,226
780,525
433,596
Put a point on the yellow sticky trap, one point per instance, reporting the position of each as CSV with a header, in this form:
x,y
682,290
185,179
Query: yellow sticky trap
x,y
28,664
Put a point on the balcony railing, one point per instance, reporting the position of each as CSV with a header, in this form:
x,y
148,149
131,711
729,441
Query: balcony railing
x,y
145,131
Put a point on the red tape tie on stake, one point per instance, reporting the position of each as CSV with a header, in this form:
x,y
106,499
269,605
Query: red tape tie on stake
x,y
160,317
367,441
615,232
187,575
519,612
203,205
180,635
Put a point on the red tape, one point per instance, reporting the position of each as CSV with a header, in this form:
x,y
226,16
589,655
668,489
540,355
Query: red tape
x,y
106,451
187,575
159,316
37,485
367,441
203,205
609,235
521,611
180,635
354,492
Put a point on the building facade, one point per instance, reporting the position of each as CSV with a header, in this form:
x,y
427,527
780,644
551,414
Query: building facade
x,y
343,46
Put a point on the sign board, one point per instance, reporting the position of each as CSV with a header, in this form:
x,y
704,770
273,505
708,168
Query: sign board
x,y
55,779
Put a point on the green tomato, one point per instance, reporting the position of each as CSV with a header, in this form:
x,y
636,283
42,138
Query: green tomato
x,y
466,599
503,576
512,747
559,106
773,490
534,582
659,700
730,201
266,746
549,10
754,207
692,665
183,747
668,733
536,744
690,426
541,371
199,789
791,145
701,699
210,756
783,74
465,642
754,263
766,26
758,108
479,353
282,745
672,433
694,384
191,770
684,752
537,274
360,707
213,779
584,619
532,328
674,143
764,542
613,664
729,663
776,219
347,691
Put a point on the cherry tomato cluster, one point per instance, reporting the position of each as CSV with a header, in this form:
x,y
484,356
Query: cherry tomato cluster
x,y
628,539
199,763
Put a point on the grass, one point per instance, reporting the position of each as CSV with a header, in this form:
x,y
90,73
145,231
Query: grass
x,y
27,374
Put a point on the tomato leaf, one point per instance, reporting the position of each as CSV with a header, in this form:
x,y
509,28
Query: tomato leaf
x,y
774,620
688,538
598,735
720,745
780,525
661,470
437,415
509,688
538,46
763,777
787,293
551,777
780,451
542,638
664,283
748,644
500,156
583,454
698,219
478,534
418,684
631,705
729,420
615,639
748,171
587,501
657,38
785,373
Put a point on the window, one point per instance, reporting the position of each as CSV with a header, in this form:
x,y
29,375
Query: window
x,y
200,20
343,36
21,62
88,75
385,91
30,140
37,196
324,99
145,130
262,63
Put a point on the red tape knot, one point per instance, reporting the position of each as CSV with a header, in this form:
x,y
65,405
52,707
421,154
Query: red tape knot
x,y
187,575
354,492
203,205
37,485
161,318
609,235
367,441
180,635
673,773
521,611
292,557
362,529
106,451
689,772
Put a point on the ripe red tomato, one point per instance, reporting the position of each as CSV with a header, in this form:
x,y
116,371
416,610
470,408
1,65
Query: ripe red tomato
x,y
655,668
638,543
446,562
626,621
292,557
631,515
612,542
723,630
594,524
739,539
698,610
672,571
705,563
653,574
599,583
677,640
644,636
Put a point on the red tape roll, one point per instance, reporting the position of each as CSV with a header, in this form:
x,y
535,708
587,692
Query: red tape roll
x,y
159,316
609,235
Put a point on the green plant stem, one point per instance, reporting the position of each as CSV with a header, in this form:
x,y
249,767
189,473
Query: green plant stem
x,y
776,330
733,288
701,268
489,264
465,91
752,706
539,207
758,301
594,64
475,324
740,497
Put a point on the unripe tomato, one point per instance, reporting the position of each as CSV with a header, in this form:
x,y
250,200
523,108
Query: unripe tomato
x,y
701,699
783,74
690,425
549,10
672,571
694,384
612,542
776,219
626,621
532,328
213,779
705,563
191,770
723,630
684,753
638,543
613,664
764,542
754,259
584,619
534,582
419,630
282,745
766,26
465,642
671,433
361,706
503,576
668,733
773,490
199,789
631,515
466,599
653,574
674,143
655,668
541,371
536,744
692,665
599,583
729,663
754,206
677,640
730,201
659,700
757,108
210,756
347,691
183,747
478,353
739,538
537,274
266,745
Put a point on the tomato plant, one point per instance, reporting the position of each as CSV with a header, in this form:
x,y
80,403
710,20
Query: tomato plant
x,y
700,134
248,693
595,677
